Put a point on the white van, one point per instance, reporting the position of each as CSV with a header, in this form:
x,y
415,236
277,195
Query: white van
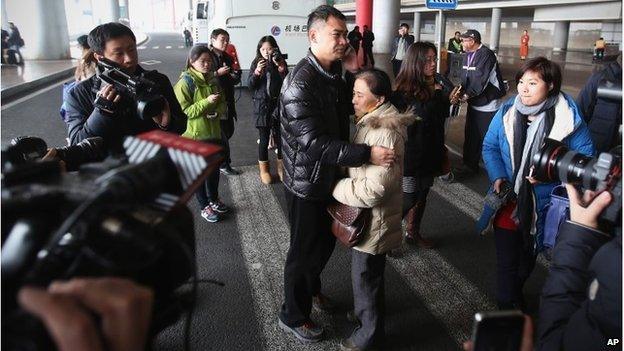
x,y
247,21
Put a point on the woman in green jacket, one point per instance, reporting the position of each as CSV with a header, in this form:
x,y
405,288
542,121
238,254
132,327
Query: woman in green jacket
x,y
199,95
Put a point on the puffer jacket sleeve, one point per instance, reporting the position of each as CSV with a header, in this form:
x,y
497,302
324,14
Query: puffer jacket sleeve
x,y
191,108
370,189
304,112
492,153
253,81
580,139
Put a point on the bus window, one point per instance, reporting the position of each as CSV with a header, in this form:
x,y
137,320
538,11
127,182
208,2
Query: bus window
x,y
201,10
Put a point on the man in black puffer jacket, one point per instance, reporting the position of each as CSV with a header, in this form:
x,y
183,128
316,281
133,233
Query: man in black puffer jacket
x,y
315,131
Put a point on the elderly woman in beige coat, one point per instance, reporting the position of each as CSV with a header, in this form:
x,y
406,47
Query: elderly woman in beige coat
x,y
378,122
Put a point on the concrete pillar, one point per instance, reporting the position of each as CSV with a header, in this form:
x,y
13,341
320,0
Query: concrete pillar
x,y
106,11
495,29
440,26
46,35
385,24
440,36
364,14
5,19
560,40
416,26
124,4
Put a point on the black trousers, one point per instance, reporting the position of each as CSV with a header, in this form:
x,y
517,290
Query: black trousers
x,y
264,134
227,130
209,190
311,246
477,124
368,54
367,277
514,265
396,67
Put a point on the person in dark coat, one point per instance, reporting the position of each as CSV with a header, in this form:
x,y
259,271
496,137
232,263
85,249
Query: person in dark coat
x,y
114,116
266,75
315,132
367,44
16,41
418,89
355,37
603,114
223,67
399,47
581,304
483,88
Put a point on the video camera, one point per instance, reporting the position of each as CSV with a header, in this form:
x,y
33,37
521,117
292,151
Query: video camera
x,y
123,217
555,162
142,91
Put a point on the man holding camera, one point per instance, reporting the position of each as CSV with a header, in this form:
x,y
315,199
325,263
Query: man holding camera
x,y
228,77
581,304
96,108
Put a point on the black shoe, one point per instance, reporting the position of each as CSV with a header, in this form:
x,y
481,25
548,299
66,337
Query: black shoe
x,y
228,170
464,172
348,345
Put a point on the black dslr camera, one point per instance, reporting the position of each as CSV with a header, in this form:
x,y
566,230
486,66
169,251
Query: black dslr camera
x,y
122,217
277,55
142,91
555,162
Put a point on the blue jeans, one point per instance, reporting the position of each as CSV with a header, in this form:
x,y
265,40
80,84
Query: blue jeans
x,y
209,190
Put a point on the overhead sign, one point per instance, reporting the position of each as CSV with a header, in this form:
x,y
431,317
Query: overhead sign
x,y
442,4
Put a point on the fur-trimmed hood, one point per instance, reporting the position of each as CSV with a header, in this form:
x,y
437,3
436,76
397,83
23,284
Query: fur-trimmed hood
x,y
387,116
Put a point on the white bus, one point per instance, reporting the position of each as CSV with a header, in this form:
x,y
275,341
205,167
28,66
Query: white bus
x,y
249,20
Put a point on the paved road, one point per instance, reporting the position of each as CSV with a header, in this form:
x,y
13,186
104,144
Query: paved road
x,y
431,294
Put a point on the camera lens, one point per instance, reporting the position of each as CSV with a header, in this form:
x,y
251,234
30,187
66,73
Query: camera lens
x,y
555,162
88,150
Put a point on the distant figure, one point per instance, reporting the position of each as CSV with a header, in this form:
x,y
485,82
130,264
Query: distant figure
x,y
16,41
5,46
367,44
600,48
524,45
87,65
188,40
399,47
454,44
355,37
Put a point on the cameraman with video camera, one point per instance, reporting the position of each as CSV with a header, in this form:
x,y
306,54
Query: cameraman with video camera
x,y
97,108
581,304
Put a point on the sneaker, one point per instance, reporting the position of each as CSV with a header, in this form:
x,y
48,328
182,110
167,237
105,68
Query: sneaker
x,y
228,170
322,303
219,207
209,214
309,332
348,345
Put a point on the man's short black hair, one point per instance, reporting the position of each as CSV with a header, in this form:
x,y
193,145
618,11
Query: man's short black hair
x,y
105,32
404,25
323,12
219,31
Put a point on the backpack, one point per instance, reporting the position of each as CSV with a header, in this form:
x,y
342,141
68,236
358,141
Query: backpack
x,y
67,88
189,81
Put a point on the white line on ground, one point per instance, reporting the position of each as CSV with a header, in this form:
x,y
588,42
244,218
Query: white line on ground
x,y
31,95
180,46
168,47
155,47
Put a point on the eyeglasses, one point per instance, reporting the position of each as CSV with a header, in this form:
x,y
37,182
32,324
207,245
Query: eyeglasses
x,y
429,59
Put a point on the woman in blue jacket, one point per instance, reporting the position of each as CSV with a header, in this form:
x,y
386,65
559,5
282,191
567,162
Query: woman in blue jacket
x,y
517,132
